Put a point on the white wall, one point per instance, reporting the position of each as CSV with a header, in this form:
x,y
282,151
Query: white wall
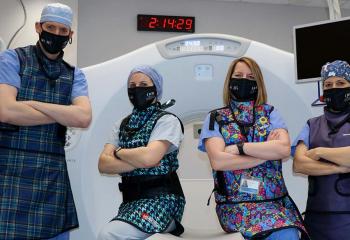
x,y
12,17
107,28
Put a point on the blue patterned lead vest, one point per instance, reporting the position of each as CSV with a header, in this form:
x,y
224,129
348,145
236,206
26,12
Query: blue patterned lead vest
x,y
155,214
35,85
254,215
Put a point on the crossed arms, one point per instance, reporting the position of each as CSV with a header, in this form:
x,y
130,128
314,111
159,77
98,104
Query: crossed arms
x,y
308,161
132,158
32,113
224,158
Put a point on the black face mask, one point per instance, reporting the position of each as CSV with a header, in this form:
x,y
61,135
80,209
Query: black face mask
x,y
243,89
142,97
337,99
53,43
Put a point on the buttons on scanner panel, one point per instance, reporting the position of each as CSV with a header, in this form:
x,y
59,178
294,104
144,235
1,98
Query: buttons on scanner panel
x,y
204,44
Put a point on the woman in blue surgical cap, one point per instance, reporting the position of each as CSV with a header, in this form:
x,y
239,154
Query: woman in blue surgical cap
x,y
322,151
143,149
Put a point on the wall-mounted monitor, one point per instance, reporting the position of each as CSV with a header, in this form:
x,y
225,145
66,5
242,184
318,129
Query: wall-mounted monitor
x,y
318,43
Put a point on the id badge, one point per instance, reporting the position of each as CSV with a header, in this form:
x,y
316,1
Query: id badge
x,y
249,185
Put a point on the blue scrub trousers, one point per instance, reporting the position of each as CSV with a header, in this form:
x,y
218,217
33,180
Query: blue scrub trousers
x,y
285,234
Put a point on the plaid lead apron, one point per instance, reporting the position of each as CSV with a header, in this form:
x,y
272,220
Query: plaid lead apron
x,y
36,201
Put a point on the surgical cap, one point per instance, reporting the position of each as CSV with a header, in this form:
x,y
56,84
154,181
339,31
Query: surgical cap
x,y
156,78
57,12
337,68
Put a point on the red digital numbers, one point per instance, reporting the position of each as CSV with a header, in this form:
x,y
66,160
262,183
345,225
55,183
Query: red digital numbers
x,y
180,23
188,24
165,23
171,22
152,23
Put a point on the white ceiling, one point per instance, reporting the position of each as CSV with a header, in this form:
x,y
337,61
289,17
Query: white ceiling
x,y
307,3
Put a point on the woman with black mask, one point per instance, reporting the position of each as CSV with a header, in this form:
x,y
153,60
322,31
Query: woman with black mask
x,y
143,149
246,141
322,151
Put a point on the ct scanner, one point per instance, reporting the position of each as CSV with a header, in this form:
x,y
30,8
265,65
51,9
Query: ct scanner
x,y
194,68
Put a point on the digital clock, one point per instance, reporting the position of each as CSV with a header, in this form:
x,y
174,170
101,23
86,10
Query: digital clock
x,y
163,23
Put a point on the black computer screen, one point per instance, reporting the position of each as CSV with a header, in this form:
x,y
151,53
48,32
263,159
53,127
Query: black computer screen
x,y
318,43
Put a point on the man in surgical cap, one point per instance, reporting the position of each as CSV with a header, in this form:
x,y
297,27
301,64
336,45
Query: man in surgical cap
x,y
41,95
322,151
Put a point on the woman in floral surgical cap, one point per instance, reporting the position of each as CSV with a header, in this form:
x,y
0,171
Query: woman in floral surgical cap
x,y
322,151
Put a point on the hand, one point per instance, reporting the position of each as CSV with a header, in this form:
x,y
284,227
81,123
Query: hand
x,y
274,135
232,149
313,153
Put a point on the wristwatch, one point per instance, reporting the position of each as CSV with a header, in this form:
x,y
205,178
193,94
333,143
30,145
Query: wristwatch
x,y
116,152
240,148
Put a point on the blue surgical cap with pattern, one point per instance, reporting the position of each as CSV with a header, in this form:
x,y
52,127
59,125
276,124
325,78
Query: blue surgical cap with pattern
x,y
337,68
